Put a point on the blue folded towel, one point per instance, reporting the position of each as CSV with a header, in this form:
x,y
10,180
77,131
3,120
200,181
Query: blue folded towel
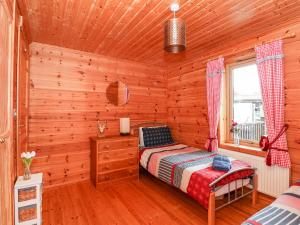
x,y
221,162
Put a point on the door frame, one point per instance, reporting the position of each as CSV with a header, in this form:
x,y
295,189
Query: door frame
x,y
22,48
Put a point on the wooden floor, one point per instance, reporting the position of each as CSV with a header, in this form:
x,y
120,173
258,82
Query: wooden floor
x,y
148,201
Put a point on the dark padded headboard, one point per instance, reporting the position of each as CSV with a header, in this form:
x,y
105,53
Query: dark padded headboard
x,y
134,130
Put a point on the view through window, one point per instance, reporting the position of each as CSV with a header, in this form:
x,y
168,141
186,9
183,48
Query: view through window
x,y
247,104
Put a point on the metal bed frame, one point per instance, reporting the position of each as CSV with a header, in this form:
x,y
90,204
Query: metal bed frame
x,y
212,199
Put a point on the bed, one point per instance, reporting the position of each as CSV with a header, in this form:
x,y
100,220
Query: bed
x,y
285,210
190,170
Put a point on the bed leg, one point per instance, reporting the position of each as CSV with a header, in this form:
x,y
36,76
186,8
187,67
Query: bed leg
x,y
211,209
254,193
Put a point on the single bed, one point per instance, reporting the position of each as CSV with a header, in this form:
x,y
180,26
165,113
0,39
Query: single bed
x,y
190,170
285,210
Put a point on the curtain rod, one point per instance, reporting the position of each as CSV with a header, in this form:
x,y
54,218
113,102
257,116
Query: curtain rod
x,y
287,36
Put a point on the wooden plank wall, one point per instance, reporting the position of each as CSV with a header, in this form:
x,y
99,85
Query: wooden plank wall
x,y
187,107
67,97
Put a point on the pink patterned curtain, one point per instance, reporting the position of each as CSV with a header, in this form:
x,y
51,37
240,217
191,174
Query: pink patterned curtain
x,y
270,68
214,73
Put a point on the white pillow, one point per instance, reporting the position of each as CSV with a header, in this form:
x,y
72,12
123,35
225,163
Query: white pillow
x,y
141,136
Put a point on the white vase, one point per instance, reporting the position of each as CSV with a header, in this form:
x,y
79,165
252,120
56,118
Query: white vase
x,y
236,138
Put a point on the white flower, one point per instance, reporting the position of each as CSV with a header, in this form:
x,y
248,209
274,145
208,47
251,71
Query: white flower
x,y
23,155
28,155
33,154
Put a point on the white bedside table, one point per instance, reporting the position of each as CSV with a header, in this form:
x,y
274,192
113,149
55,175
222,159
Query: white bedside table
x,y
28,200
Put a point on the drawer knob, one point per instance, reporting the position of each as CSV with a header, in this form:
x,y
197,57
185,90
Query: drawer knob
x,y
106,167
106,146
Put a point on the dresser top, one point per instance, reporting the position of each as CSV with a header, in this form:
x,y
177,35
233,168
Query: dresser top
x,y
114,138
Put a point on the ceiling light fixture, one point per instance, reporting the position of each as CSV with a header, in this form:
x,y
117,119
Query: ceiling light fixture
x,y
175,40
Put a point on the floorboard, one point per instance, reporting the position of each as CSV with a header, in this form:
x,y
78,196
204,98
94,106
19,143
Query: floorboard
x,y
147,201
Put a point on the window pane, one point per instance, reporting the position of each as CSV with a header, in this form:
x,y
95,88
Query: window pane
x,y
247,103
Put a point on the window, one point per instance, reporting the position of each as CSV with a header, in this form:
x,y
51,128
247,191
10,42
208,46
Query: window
x,y
244,104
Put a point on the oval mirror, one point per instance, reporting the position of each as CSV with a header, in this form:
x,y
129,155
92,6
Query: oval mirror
x,y
117,93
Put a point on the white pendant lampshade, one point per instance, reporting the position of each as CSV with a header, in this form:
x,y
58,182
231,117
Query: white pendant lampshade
x,y
124,126
175,38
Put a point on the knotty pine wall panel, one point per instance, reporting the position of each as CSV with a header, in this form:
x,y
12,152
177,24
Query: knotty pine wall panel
x,y
67,97
187,104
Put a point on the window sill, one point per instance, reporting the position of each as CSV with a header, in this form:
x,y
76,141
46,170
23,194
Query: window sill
x,y
244,149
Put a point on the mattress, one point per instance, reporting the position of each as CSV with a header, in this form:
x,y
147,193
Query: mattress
x,y
190,169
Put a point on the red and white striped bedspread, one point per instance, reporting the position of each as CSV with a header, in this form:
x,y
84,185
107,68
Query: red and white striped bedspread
x,y
189,169
285,210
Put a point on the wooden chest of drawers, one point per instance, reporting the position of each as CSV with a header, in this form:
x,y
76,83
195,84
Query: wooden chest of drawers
x,y
113,159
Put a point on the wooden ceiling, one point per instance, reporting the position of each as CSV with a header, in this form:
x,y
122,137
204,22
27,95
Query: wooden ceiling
x,y
133,29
